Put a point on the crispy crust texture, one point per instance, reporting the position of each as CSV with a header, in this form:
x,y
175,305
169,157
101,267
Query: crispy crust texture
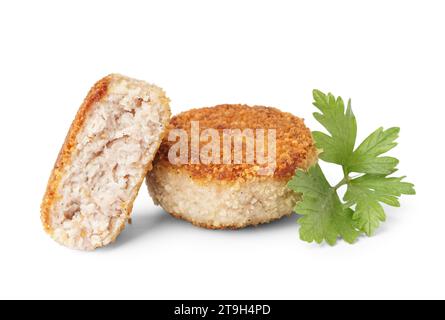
x,y
96,93
211,226
220,204
295,145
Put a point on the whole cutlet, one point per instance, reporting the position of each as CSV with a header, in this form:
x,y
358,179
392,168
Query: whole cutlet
x,y
222,195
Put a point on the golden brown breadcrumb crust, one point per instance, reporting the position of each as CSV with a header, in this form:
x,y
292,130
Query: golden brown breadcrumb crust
x,y
97,92
295,147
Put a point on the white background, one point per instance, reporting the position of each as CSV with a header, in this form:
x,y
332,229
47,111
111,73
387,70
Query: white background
x,y
388,56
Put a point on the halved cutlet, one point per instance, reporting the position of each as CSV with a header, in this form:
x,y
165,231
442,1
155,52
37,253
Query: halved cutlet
x,y
106,155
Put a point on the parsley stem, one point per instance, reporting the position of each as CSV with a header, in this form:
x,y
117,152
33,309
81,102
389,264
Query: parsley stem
x,y
344,181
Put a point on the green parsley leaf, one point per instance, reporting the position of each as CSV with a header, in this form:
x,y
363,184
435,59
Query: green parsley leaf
x,y
365,159
368,191
336,148
323,216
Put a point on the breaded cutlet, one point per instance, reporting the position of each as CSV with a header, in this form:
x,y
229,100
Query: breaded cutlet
x,y
235,195
106,155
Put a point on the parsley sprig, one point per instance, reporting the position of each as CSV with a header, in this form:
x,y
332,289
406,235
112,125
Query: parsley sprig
x,y
326,217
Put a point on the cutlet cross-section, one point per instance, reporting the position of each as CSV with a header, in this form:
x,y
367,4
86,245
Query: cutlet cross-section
x,y
106,155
